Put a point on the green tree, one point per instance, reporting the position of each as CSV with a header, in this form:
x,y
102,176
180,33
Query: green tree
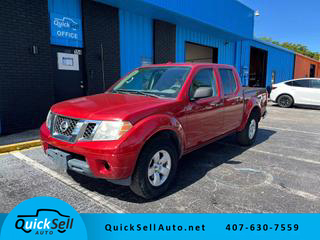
x,y
298,48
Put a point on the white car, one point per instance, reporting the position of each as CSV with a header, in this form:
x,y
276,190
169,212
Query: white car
x,y
304,91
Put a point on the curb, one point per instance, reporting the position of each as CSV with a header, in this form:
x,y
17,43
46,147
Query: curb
x,y
19,146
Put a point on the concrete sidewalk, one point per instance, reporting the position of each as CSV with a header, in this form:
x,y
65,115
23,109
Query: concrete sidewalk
x,y
18,138
25,136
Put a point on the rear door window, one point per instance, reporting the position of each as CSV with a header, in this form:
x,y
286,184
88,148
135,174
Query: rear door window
x,y
228,81
302,83
316,84
289,83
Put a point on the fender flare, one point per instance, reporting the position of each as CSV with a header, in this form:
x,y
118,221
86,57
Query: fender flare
x,y
148,127
249,107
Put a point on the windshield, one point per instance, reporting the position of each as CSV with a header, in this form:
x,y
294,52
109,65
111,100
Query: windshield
x,y
158,81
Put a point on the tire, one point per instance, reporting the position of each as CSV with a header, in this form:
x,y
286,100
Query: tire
x,y
148,180
249,134
285,101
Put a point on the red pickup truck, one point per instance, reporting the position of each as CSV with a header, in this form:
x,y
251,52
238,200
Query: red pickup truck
x,y
135,133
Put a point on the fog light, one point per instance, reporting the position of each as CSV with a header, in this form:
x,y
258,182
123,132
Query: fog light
x,y
106,166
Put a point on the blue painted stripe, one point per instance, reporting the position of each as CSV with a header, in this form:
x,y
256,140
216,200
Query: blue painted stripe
x,y
136,44
216,13
71,8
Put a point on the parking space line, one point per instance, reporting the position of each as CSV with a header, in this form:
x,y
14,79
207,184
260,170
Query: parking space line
x,y
299,193
93,196
289,130
273,154
285,156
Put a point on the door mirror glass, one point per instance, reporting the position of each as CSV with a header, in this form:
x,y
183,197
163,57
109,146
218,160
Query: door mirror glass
x,y
202,92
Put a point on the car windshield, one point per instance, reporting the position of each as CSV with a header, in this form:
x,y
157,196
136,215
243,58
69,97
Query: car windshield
x,y
162,82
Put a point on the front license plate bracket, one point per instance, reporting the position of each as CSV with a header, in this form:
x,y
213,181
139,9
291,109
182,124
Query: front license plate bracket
x,y
59,158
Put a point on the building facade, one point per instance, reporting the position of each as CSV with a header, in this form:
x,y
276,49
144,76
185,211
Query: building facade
x,y
306,67
53,50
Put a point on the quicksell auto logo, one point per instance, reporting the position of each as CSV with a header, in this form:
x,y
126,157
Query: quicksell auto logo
x,y
66,27
66,22
65,30
40,224
43,217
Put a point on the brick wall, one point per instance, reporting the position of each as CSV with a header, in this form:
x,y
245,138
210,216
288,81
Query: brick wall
x,y
26,85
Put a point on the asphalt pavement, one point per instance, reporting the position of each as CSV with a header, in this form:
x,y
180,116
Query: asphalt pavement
x,y
279,174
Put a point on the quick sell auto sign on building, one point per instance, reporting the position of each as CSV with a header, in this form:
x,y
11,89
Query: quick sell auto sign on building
x,y
65,30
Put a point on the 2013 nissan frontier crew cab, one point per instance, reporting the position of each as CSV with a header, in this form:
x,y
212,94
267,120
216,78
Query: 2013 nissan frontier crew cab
x,y
135,133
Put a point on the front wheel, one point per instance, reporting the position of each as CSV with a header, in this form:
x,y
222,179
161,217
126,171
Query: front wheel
x,y
155,168
248,135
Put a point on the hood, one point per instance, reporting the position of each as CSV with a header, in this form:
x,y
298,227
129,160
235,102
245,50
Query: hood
x,y
109,106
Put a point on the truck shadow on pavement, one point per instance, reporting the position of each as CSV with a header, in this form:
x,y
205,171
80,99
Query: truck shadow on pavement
x,y
192,167
300,106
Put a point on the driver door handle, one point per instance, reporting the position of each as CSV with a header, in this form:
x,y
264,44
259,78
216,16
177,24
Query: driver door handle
x,y
219,104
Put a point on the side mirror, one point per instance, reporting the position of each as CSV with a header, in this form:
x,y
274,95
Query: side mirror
x,y
202,92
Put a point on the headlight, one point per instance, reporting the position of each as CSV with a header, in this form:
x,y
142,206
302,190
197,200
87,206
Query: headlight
x,y
111,130
49,119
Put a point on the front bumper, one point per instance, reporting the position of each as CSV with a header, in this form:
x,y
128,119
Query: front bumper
x,y
104,159
66,161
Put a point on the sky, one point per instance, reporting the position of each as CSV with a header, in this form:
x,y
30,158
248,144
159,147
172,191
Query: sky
x,y
295,21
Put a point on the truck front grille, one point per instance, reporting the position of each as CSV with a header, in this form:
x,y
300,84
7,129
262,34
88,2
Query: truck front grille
x,y
72,130
89,130
65,125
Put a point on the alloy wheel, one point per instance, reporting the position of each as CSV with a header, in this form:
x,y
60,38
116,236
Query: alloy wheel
x,y
159,168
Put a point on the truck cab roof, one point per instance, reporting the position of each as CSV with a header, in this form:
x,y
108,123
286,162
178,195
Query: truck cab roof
x,y
170,64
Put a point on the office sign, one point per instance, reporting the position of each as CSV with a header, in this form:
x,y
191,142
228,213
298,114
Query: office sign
x,y
66,30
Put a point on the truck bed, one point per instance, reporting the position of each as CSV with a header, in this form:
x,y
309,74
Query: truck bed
x,y
261,94
254,91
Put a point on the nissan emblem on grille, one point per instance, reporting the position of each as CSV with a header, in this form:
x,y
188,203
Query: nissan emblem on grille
x,y
64,126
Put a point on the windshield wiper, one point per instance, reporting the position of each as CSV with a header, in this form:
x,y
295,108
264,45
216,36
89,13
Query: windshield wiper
x,y
136,92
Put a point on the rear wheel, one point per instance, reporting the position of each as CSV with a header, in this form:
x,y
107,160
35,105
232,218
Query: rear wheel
x,y
248,135
155,168
285,101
